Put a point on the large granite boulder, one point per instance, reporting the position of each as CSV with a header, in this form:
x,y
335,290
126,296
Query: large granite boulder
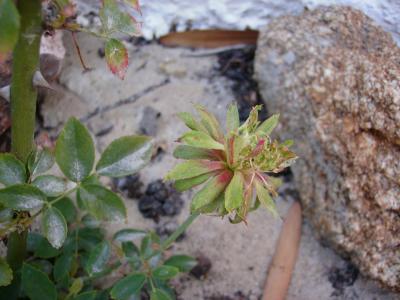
x,y
335,78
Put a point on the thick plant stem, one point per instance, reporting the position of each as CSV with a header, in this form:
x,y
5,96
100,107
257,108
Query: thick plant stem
x,y
23,110
23,93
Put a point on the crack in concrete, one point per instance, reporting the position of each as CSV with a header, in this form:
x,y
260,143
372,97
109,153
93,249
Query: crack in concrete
x,y
122,102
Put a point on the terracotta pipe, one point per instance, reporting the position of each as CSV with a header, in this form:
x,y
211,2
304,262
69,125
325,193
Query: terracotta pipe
x,y
284,260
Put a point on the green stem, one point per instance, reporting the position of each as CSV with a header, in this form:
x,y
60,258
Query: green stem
x,y
181,229
23,93
23,109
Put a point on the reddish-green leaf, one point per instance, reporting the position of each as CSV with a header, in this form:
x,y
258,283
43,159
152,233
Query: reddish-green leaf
x,y
190,152
185,184
201,140
193,168
211,190
232,118
265,198
234,192
116,57
114,20
268,125
191,122
210,123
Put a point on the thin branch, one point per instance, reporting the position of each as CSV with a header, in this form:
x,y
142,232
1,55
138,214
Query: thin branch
x,y
78,50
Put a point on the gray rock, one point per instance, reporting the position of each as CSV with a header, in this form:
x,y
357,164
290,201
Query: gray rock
x,y
334,77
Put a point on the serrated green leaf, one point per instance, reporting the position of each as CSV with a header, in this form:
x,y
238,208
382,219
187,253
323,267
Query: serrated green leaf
x,y
51,185
268,125
75,151
132,254
232,118
149,245
116,57
54,227
211,190
98,258
62,266
201,140
159,294
193,168
165,272
36,284
265,198
125,156
130,249
190,152
89,221
67,208
40,161
184,263
191,122
102,203
114,20
38,244
127,287
12,171
43,265
127,235
89,238
76,286
89,295
22,197
9,26
185,184
6,274
234,192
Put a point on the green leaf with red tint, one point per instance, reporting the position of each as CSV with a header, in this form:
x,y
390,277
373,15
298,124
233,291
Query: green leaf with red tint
x,y
185,184
211,190
135,4
210,123
190,169
232,118
265,198
201,140
190,152
234,192
116,57
191,122
114,20
268,125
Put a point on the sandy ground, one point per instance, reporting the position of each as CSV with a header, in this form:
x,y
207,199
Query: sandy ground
x,y
169,81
